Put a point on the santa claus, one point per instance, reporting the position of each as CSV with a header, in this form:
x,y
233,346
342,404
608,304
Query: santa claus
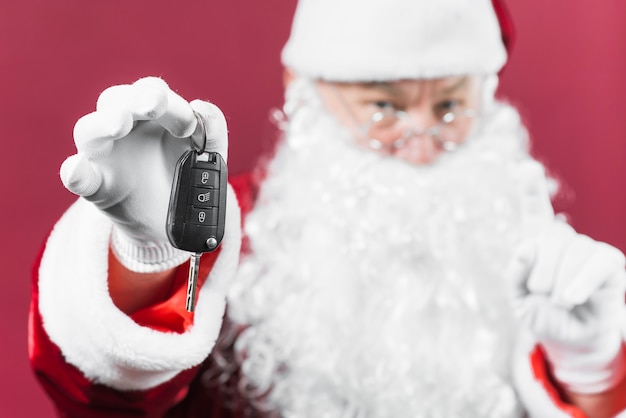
x,y
401,257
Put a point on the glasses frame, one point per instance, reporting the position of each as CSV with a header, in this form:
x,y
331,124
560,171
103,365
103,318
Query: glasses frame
x,y
412,132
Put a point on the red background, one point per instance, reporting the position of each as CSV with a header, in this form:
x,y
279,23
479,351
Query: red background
x,y
566,75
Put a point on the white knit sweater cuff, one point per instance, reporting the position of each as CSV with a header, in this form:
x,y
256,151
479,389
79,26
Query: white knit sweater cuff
x,y
146,257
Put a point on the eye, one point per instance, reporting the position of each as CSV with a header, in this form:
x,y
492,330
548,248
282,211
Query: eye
x,y
448,105
384,105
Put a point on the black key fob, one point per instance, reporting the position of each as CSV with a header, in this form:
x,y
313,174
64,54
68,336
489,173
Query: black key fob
x,y
197,209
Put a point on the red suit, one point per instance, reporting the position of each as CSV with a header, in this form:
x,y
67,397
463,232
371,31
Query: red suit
x,y
190,389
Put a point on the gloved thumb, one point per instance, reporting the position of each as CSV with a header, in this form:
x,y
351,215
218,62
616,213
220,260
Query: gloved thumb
x,y
215,125
79,176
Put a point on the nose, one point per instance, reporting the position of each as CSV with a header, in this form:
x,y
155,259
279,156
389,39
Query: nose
x,y
421,117
419,149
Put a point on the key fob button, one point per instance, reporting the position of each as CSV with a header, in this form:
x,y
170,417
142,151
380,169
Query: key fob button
x,y
205,198
200,216
206,178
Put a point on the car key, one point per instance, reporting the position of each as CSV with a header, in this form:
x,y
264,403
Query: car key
x,y
197,210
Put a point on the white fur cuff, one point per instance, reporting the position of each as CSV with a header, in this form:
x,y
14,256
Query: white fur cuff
x,y
96,337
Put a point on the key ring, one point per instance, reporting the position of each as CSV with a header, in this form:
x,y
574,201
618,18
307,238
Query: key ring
x,y
198,137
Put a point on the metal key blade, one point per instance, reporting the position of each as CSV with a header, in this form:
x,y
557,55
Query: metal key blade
x,y
192,281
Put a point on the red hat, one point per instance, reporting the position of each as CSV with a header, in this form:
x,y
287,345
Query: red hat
x,y
375,40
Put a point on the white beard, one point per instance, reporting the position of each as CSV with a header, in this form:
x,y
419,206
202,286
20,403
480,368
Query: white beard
x,y
375,288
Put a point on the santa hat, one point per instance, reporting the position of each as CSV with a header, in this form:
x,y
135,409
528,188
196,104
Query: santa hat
x,y
375,40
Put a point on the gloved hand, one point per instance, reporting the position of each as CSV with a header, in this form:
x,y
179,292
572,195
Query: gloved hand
x,y
127,153
569,292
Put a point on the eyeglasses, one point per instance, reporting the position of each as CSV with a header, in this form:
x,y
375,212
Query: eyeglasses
x,y
393,129
390,129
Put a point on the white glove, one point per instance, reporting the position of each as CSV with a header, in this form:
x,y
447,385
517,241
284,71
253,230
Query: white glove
x,y
569,292
127,153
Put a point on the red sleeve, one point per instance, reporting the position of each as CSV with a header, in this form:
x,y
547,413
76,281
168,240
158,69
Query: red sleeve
x,y
171,314
75,396
541,372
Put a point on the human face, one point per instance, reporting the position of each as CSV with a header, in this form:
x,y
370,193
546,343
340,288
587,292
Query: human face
x,y
418,108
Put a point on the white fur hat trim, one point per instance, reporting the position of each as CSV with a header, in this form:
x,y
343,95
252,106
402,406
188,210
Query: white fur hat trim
x,y
377,40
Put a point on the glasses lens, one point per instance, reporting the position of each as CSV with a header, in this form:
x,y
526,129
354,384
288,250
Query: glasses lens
x,y
386,128
453,128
